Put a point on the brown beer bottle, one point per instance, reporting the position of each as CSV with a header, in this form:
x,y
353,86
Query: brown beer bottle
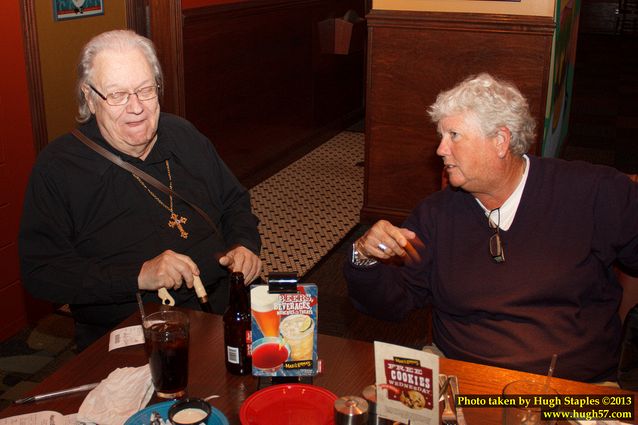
x,y
237,330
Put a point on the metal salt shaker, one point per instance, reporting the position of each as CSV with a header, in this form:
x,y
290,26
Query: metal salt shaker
x,y
370,395
351,410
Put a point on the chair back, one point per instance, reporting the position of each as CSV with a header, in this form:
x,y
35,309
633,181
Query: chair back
x,y
629,283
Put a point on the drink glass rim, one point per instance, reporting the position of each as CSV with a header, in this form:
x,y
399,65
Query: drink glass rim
x,y
530,383
160,316
527,387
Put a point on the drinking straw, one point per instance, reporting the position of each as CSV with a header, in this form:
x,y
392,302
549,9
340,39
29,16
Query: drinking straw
x,y
550,372
140,305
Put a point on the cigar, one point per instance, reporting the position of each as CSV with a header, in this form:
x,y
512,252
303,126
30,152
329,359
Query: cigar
x,y
202,296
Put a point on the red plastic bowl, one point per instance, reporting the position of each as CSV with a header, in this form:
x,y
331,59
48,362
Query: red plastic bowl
x,y
289,404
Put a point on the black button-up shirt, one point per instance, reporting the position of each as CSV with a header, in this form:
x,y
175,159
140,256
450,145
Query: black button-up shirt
x,y
89,225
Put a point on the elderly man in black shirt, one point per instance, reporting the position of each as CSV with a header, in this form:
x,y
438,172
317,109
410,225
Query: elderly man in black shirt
x,y
93,234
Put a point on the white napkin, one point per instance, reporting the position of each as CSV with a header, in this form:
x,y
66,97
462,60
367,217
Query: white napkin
x,y
116,398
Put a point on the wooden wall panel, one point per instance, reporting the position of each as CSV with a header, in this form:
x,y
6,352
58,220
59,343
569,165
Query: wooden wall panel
x,y
254,75
247,68
165,26
412,56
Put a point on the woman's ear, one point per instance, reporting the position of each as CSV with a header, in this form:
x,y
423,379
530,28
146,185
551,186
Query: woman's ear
x,y
503,138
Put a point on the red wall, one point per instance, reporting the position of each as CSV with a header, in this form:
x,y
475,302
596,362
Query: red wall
x,y
16,160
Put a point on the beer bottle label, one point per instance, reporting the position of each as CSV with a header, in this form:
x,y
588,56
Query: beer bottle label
x,y
232,353
249,343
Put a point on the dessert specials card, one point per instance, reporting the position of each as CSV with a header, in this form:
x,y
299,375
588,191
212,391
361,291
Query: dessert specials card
x,y
407,384
284,331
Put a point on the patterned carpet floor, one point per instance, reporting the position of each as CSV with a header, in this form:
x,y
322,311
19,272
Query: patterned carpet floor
x,y
294,205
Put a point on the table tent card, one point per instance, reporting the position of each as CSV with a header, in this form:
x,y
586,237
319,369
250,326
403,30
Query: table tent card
x,y
284,331
406,388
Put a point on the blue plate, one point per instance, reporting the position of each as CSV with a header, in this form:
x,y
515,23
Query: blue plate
x,y
143,417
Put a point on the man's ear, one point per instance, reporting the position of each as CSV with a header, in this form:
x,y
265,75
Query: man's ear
x,y
89,99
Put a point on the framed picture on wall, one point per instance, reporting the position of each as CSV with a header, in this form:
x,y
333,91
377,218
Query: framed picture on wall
x,y
71,9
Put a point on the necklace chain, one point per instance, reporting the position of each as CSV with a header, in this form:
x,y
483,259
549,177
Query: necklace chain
x,y
175,220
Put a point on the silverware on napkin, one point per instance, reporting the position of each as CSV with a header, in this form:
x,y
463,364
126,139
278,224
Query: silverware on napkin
x,y
454,385
444,383
448,415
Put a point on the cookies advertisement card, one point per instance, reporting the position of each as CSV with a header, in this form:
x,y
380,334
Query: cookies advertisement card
x,y
406,388
284,331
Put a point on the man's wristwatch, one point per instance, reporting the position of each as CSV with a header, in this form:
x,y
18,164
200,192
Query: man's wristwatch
x,y
358,259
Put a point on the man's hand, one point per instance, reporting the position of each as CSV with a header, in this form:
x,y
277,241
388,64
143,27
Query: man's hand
x,y
384,240
240,259
167,270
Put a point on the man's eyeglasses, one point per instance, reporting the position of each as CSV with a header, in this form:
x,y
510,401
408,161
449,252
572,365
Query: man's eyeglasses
x,y
496,245
121,97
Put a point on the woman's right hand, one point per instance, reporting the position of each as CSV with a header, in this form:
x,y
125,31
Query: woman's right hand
x,y
384,241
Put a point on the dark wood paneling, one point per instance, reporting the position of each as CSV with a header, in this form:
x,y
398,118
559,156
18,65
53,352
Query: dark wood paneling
x,y
165,25
246,69
136,16
412,56
254,77
34,75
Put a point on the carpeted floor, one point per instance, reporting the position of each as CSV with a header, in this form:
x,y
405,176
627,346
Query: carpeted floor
x,y
33,354
294,205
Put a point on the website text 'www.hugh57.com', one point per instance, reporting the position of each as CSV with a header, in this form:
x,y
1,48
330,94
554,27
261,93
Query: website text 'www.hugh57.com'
x,y
585,415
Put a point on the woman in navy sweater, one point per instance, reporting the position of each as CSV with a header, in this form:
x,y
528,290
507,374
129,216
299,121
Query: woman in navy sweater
x,y
516,255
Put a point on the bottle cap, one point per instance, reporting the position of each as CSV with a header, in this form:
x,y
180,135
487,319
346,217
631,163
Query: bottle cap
x,y
351,410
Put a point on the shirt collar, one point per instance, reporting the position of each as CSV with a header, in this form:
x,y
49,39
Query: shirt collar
x,y
160,152
507,211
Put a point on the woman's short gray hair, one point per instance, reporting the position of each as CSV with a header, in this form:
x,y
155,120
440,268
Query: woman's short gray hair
x,y
111,40
495,103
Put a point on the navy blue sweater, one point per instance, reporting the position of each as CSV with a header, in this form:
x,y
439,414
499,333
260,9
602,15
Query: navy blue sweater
x,y
556,292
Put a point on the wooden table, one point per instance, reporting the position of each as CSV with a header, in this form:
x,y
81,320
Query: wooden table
x,y
348,367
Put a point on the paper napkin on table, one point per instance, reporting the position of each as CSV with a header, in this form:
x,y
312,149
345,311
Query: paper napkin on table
x,y
124,392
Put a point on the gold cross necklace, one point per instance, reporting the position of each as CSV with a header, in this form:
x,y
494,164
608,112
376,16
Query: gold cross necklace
x,y
175,221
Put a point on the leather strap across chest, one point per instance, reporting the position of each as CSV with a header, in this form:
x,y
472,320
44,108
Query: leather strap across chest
x,y
142,175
